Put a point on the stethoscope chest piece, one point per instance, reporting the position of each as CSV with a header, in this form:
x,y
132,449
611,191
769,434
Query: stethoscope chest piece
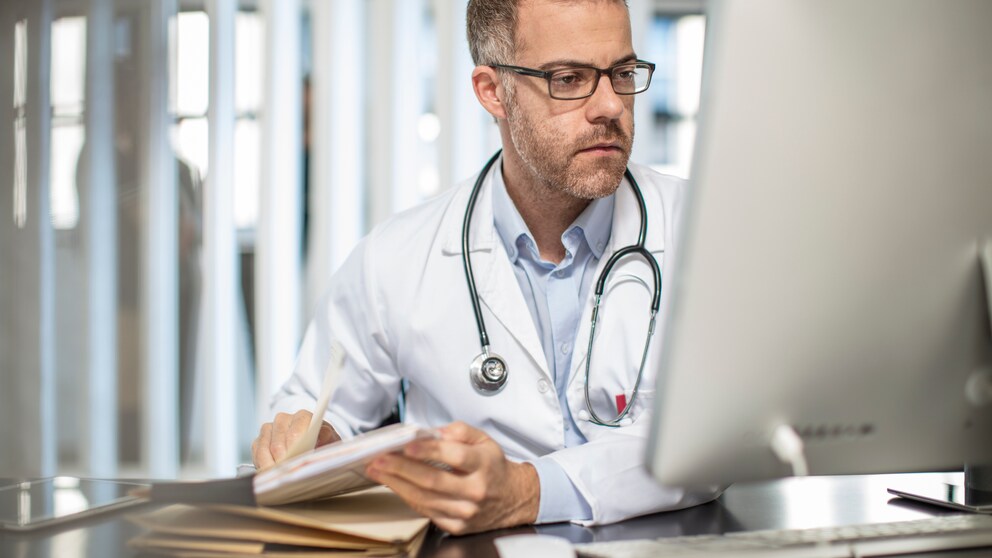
x,y
488,373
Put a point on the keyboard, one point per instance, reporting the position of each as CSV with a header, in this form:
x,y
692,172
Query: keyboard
x,y
903,537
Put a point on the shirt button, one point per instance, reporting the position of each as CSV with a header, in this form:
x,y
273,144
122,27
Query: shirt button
x,y
566,348
557,273
542,386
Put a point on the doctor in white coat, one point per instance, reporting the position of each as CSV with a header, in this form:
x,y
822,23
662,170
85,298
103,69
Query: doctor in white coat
x,y
549,213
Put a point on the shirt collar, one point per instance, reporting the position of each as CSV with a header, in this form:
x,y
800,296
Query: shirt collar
x,y
594,223
510,226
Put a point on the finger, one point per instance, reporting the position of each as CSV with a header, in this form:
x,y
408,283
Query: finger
x,y
277,444
458,455
430,504
426,476
260,448
460,432
298,426
327,435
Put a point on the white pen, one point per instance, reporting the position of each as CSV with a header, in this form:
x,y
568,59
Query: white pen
x,y
309,439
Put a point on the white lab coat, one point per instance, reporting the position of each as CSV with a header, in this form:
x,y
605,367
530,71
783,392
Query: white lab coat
x,y
400,308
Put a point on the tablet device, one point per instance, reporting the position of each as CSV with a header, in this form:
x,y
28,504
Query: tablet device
x,y
948,495
48,502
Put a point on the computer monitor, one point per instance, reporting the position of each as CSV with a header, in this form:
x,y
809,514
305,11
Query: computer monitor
x,y
828,279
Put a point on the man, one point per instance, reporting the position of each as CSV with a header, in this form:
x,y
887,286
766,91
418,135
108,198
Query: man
x,y
551,211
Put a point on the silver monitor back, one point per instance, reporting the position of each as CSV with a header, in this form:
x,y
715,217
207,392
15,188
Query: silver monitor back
x,y
829,274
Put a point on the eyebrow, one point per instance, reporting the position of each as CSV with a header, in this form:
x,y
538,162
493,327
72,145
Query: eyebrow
x,y
572,62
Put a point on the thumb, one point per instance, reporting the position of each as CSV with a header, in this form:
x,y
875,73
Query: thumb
x,y
461,432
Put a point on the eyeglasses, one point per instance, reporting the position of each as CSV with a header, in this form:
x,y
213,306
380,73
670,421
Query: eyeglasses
x,y
579,82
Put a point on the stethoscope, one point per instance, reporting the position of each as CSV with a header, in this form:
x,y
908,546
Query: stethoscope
x,y
488,371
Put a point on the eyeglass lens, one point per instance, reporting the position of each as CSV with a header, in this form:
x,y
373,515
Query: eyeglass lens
x,y
573,83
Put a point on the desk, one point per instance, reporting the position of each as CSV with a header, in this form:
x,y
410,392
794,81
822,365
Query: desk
x,y
780,504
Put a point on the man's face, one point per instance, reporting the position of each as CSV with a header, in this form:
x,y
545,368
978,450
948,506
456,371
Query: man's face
x,y
580,147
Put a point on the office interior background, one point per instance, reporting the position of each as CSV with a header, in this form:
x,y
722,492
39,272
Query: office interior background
x,y
180,178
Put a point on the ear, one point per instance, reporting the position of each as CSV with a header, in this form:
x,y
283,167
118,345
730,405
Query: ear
x,y
489,91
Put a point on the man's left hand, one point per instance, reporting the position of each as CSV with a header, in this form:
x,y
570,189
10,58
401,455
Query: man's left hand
x,y
482,490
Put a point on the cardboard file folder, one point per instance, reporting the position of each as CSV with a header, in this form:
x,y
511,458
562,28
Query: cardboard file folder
x,y
176,547
372,522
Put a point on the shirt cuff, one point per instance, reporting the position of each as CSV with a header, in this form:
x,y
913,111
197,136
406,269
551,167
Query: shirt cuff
x,y
560,500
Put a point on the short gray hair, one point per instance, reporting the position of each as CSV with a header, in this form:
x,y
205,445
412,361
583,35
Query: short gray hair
x,y
491,27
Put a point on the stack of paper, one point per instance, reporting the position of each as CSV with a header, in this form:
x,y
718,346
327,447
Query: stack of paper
x,y
289,508
373,522
332,469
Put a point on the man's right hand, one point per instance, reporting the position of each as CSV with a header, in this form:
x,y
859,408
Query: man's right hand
x,y
276,437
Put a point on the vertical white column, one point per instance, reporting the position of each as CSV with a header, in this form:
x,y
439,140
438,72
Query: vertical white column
x,y
7,226
27,383
39,73
380,41
396,99
337,175
160,292
10,328
463,143
98,428
40,77
395,93
407,101
220,278
641,14
277,273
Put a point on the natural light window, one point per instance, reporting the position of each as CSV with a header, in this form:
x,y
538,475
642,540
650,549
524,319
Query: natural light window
x,y
192,97
68,97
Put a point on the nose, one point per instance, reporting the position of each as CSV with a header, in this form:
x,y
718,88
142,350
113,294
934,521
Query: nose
x,y
604,104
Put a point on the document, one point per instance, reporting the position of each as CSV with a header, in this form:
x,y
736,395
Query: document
x,y
305,473
333,469
315,502
195,547
367,523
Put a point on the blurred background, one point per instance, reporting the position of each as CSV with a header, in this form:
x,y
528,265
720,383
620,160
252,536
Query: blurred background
x,y
179,179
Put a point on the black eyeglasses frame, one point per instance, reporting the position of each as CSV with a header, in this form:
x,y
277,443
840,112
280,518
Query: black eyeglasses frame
x,y
600,72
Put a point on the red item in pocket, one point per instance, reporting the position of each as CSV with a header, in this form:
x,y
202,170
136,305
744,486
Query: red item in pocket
x,y
621,403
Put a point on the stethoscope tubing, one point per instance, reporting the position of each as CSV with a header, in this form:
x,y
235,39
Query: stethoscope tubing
x,y
467,261
636,249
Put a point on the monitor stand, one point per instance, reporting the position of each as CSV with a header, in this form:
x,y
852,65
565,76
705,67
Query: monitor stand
x,y
976,493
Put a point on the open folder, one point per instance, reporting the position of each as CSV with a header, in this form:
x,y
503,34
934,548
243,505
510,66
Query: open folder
x,y
371,522
327,471
305,474
306,503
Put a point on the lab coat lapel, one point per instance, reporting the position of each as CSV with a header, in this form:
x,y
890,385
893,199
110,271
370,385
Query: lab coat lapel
x,y
494,278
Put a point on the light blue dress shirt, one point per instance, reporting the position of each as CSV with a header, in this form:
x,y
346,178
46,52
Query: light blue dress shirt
x,y
556,295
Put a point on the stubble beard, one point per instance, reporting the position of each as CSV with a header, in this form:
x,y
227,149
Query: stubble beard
x,y
552,159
